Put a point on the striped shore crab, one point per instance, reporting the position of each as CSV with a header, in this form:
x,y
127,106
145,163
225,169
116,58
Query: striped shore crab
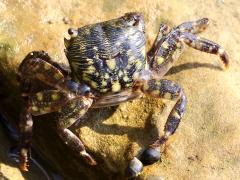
x,y
109,65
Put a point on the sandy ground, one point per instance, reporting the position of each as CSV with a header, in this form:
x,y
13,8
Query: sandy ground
x,y
207,143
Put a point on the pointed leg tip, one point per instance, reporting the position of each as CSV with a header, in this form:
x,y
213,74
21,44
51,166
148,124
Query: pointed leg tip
x,y
24,167
88,158
93,163
226,64
226,67
134,168
151,155
224,57
14,154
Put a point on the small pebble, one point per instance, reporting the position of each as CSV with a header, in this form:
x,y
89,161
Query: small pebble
x,y
66,20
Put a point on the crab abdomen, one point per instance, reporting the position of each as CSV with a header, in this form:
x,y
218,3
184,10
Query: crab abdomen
x,y
107,56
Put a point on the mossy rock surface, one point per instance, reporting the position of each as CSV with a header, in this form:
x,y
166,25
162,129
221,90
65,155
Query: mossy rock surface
x,y
207,143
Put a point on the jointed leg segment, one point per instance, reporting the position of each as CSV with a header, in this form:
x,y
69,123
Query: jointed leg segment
x,y
166,50
194,27
160,89
38,65
164,29
36,104
70,99
68,114
25,124
171,91
205,45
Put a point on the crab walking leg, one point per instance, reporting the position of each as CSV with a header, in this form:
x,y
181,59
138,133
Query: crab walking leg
x,y
166,54
36,104
205,45
191,27
45,102
39,65
194,26
25,125
168,90
164,29
69,114
160,89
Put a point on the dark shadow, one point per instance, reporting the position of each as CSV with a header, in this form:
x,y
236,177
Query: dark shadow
x,y
37,164
94,115
187,66
10,106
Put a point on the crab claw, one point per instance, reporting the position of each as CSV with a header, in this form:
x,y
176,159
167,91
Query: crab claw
x,y
88,158
151,155
134,168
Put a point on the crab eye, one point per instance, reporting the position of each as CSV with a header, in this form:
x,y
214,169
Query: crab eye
x,y
131,19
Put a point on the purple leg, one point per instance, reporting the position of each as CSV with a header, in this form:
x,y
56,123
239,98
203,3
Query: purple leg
x,y
171,91
69,114
194,27
160,89
205,45
164,29
25,126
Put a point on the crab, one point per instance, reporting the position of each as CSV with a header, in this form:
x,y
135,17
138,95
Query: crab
x,y
109,65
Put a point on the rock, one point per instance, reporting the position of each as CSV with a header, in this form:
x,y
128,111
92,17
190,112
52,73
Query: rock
x,y
209,129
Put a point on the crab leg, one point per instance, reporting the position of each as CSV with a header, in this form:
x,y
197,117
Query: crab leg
x,y
164,29
25,125
166,53
194,26
38,65
172,48
168,46
205,45
172,42
36,104
45,102
171,91
69,113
